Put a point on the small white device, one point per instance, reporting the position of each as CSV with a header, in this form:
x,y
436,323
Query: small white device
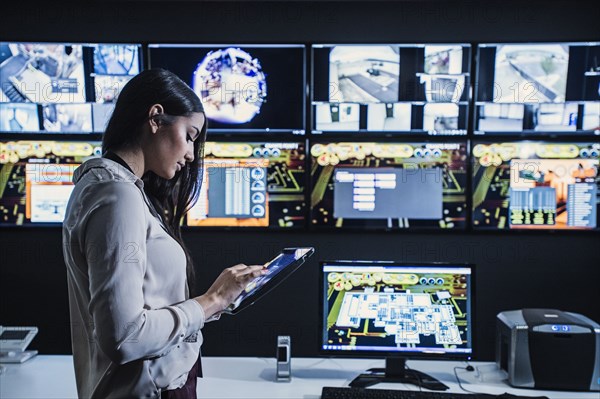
x,y
14,341
284,357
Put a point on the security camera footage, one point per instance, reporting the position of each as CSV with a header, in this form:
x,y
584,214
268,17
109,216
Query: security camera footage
x,y
244,89
62,87
538,89
388,88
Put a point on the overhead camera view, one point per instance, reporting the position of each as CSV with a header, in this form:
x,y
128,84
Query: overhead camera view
x,y
42,73
62,87
231,84
364,74
531,73
245,89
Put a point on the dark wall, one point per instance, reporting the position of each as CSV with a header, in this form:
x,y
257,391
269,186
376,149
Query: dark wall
x,y
514,270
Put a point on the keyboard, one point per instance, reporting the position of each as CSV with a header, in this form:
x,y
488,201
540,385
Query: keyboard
x,y
362,393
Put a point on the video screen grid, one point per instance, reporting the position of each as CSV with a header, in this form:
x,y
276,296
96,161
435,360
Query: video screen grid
x,y
538,89
392,89
54,88
79,84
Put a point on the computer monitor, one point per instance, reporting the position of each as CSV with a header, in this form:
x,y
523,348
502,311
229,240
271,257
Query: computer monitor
x,y
390,88
396,310
247,88
251,184
536,185
538,89
62,87
389,185
36,179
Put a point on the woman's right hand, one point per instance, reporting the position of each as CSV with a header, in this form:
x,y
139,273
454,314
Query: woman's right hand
x,y
228,286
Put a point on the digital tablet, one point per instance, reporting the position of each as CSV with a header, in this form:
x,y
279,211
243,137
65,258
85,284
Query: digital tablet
x,y
279,268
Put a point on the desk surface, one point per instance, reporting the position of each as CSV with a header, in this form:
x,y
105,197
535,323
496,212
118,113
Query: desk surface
x,y
247,377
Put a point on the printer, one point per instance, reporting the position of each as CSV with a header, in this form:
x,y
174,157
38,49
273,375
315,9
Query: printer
x,y
548,349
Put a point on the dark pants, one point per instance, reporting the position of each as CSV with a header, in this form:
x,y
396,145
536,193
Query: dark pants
x,y
188,391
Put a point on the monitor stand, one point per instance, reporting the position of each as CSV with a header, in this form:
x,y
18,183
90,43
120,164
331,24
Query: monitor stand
x,y
396,371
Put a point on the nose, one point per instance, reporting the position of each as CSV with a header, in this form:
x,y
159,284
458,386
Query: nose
x,y
189,155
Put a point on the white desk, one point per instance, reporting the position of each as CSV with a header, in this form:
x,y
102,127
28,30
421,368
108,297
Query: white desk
x,y
247,378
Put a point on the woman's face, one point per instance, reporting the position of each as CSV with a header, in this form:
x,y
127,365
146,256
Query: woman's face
x,y
173,145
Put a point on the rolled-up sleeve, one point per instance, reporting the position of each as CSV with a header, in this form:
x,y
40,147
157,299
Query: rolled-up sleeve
x,y
114,245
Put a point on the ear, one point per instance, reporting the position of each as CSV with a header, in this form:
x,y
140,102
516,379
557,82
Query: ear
x,y
155,111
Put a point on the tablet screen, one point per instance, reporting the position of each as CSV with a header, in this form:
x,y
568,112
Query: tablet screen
x,y
285,260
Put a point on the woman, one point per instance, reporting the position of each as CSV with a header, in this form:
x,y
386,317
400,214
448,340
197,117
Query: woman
x,y
135,332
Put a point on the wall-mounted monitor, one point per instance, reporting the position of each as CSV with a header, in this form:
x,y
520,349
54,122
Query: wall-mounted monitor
x,y
252,184
390,88
62,87
244,88
538,89
391,185
536,185
36,179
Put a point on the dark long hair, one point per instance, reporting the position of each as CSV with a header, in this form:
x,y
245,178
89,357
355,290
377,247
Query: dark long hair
x,y
172,198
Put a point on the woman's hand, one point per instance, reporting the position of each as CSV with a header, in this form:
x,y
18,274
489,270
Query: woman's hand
x,y
228,286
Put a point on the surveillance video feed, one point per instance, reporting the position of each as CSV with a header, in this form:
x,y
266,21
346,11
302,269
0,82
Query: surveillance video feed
x,y
555,117
527,73
231,84
389,185
19,117
389,117
251,184
116,60
440,117
55,87
500,117
337,117
67,118
443,88
37,179
591,117
443,59
43,73
364,74
536,185
244,88
114,66
109,87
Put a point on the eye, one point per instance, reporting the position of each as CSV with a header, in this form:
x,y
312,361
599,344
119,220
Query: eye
x,y
189,138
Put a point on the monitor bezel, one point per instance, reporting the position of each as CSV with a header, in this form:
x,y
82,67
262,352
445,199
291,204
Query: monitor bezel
x,y
406,354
